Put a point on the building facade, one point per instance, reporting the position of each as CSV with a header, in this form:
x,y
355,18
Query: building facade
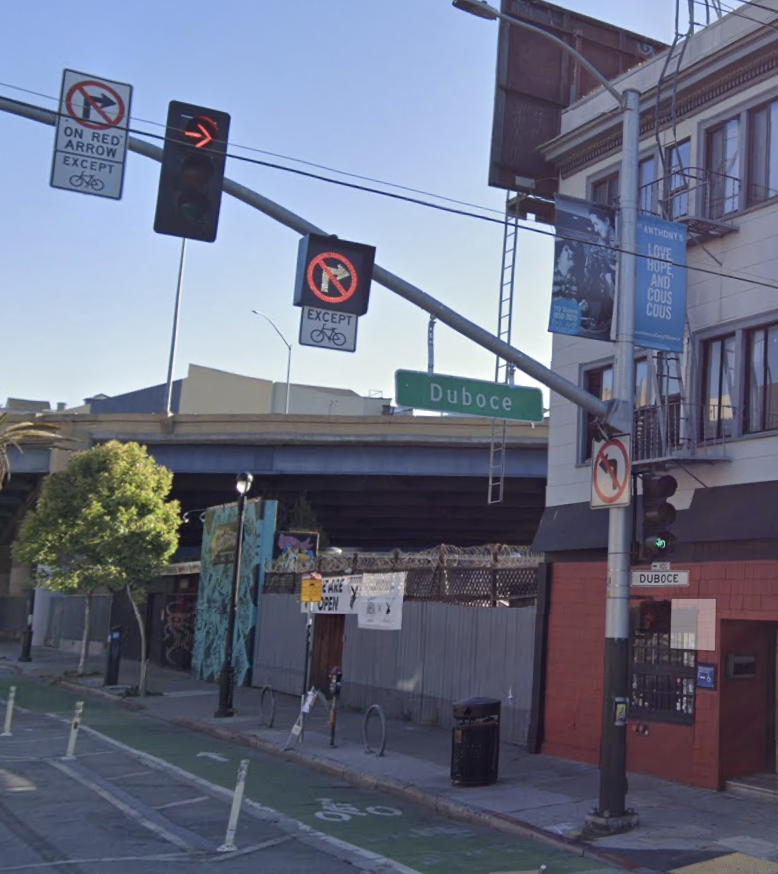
x,y
703,700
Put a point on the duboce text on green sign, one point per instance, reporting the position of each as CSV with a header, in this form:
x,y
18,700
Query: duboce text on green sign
x,y
456,394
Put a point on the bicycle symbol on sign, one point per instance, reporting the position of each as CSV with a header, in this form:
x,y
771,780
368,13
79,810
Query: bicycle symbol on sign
x,y
82,180
333,811
332,334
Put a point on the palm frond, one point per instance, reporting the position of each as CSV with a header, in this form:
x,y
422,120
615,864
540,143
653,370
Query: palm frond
x,y
13,434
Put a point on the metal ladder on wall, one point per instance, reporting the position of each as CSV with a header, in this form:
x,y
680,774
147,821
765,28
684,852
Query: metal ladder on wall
x,y
668,373
503,371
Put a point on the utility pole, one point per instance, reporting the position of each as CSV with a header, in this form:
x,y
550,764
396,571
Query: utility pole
x,y
612,813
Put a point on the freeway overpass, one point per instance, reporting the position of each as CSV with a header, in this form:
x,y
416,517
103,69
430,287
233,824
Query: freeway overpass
x,y
374,481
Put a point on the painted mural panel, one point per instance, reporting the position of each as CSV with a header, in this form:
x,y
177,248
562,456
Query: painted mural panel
x,y
216,569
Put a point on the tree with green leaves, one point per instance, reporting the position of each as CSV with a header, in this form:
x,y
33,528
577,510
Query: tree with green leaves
x,y
105,522
13,434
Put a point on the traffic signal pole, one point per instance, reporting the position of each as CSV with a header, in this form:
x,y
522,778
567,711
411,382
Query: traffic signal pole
x,y
609,412
174,336
616,415
612,813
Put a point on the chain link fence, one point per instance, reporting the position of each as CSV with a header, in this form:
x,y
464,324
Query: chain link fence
x,y
496,575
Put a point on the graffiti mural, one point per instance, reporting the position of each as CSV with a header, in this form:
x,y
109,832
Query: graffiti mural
x,y
295,551
213,597
178,630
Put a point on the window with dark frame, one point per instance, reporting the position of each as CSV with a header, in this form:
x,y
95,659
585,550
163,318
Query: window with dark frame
x,y
606,191
599,382
663,678
718,376
723,169
761,403
677,191
647,184
762,153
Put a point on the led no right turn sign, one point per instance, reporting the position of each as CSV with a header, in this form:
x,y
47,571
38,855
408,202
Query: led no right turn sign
x,y
333,274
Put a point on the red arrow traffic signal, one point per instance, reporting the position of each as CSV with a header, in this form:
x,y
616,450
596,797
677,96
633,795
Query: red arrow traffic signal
x,y
203,129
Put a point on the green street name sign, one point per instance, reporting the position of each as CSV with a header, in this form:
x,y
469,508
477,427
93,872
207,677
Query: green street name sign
x,y
455,394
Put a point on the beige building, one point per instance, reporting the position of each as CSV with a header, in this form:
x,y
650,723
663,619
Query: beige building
x,y
703,706
206,390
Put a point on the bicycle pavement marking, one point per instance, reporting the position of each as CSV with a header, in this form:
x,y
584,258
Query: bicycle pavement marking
x,y
411,836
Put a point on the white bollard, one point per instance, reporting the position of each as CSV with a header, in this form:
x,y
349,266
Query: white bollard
x,y
74,726
9,712
237,799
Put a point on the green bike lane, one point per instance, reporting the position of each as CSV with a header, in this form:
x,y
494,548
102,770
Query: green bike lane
x,y
402,831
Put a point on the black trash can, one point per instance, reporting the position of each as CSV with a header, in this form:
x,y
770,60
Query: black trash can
x,y
475,747
113,656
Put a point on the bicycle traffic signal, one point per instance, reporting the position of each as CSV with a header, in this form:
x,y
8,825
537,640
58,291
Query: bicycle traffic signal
x,y
654,617
658,514
190,182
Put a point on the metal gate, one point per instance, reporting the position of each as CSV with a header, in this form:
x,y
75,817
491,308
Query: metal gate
x,y
178,626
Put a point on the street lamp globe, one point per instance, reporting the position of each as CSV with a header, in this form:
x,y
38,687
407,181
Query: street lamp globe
x,y
243,484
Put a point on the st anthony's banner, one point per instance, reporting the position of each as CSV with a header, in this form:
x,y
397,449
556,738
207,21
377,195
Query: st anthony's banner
x,y
584,288
660,300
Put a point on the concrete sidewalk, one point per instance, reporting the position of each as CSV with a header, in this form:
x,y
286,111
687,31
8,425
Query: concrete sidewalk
x,y
680,827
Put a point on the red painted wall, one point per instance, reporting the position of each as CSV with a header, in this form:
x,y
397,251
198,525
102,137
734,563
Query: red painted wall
x,y
666,751
574,668
728,735
744,701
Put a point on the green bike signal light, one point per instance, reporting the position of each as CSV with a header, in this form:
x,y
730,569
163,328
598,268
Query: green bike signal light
x,y
658,515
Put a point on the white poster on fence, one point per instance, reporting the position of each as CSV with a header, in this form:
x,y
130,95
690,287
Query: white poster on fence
x,y
339,595
382,610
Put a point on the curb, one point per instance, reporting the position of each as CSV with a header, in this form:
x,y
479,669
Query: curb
x,y
447,807
127,703
454,809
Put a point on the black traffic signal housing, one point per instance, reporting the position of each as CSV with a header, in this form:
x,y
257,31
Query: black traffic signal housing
x,y
190,182
658,515
654,617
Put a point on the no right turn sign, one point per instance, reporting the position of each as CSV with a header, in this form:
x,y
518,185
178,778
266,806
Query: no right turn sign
x,y
611,472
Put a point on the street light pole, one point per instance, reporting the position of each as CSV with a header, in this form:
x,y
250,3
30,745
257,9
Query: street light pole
x,y
612,813
227,675
288,354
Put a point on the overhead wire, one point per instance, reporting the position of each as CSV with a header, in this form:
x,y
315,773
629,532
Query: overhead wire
x,y
283,157
530,227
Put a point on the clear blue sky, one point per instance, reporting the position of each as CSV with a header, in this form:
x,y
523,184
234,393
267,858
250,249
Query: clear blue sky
x,y
398,90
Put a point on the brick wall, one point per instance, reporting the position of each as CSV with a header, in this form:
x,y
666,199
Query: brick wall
x,y
574,668
728,737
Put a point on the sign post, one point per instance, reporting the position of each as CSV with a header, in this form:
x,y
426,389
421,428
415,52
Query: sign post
x,y
91,143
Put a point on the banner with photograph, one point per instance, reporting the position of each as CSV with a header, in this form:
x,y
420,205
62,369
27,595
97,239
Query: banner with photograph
x,y
584,289
660,300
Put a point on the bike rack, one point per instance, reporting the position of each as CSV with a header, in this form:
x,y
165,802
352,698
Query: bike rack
x,y
375,708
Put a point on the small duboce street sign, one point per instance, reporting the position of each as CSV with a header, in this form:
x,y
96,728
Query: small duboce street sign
x,y
659,579
92,129
611,472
